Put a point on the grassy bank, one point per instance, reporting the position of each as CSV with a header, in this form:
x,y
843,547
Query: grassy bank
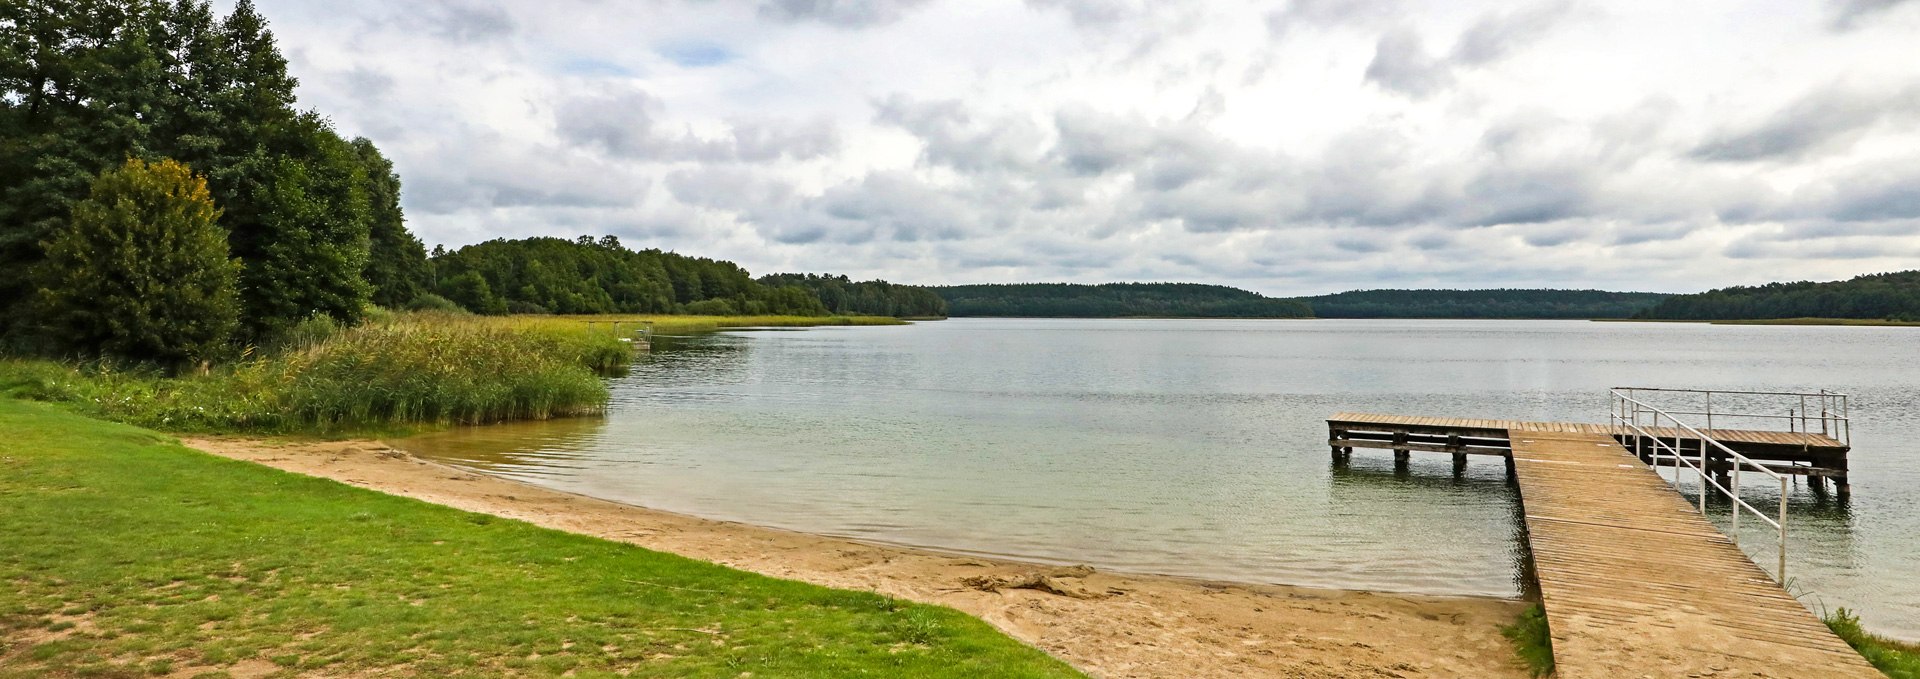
x,y
681,325
126,555
1896,659
410,370
1532,640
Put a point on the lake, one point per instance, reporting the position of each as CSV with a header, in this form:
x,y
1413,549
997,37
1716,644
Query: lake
x,y
1198,447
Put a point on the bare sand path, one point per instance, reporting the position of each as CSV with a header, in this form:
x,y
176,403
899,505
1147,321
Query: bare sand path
x,y
1106,624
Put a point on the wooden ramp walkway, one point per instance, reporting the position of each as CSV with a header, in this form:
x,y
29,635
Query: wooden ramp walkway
x,y
1636,583
1634,580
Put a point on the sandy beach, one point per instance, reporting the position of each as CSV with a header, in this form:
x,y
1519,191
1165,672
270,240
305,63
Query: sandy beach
x,y
1107,624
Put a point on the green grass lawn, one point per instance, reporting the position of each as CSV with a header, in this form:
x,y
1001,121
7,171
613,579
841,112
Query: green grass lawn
x,y
125,554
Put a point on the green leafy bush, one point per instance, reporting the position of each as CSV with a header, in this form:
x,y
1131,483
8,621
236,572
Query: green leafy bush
x,y
141,270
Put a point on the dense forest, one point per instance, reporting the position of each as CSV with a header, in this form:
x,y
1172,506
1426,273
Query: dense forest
x,y
873,298
588,276
1499,303
142,141
1116,300
1888,296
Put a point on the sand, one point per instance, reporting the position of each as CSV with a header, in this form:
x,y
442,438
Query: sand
x,y
1107,624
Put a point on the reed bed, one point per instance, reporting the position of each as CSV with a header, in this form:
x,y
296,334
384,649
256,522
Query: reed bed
x,y
397,371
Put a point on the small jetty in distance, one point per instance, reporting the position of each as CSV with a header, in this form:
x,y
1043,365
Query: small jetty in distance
x,y
1634,578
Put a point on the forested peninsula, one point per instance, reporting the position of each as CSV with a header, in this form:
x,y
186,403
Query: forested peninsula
x,y
1886,297
1116,300
1494,303
1189,300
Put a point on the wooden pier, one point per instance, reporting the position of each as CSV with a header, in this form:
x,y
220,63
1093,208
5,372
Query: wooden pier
x,y
1636,582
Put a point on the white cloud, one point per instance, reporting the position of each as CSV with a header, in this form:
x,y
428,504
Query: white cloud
x,y
1319,145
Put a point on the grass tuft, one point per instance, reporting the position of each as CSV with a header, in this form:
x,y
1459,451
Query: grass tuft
x,y
1897,660
1532,640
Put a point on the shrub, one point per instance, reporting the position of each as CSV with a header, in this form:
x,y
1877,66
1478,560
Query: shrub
x,y
435,303
713,307
141,270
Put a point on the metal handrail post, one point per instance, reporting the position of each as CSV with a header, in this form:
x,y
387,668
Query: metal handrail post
x,y
1735,491
1783,530
1701,470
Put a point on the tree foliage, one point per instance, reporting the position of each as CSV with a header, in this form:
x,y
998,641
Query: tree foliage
x,y
141,270
86,84
397,269
1497,303
843,296
1116,300
588,276
1890,296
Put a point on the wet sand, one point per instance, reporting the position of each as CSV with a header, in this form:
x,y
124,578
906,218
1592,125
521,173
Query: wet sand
x,y
1107,624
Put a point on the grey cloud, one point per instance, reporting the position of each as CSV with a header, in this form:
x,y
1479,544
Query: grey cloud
x,y
463,21
1818,121
366,83
1495,36
473,177
1092,143
1880,194
734,189
1527,195
843,13
1847,14
622,124
901,205
1305,13
955,137
1091,12
1401,63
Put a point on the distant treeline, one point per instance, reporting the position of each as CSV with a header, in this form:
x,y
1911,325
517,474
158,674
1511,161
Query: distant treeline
x,y
1116,300
589,276
843,296
1890,296
1498,303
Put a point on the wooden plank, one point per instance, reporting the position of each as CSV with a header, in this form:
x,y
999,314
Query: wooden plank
x,y
1637,584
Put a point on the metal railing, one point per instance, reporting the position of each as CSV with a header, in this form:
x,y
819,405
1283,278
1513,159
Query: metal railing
x,y
1631,417
1820,412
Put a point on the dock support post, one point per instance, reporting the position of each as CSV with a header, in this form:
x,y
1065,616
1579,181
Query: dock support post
x,y
1512,474
1400,455
1459,464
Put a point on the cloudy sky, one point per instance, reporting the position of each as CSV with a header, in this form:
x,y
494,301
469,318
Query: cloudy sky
x,y
1289,147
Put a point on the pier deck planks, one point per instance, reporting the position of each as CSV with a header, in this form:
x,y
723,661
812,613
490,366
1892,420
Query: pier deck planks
x,y
1636,583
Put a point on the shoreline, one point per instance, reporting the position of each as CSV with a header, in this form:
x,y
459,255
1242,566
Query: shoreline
x,y
1107,624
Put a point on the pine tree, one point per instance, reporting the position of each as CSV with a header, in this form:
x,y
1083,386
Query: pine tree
x,y
141,271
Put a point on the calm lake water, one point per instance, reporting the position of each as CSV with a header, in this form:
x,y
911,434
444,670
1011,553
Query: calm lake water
x,y
1197,447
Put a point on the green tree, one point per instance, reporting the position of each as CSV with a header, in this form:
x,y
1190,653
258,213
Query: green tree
x,y
397,261
141,270
305,241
